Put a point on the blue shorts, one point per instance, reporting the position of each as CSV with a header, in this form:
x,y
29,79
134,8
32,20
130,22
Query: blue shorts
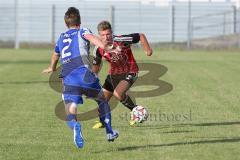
x,y
80,81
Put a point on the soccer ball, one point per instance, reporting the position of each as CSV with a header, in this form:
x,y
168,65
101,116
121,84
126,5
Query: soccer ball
x,y
139,114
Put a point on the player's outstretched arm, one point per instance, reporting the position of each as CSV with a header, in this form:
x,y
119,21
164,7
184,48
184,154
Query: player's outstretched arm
x,y
53,64
144,42
97,42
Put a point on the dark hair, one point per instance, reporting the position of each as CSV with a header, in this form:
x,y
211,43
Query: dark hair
x,y
104,25
72,17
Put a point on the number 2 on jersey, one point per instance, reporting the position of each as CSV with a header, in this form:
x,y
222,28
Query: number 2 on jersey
x,y
64,50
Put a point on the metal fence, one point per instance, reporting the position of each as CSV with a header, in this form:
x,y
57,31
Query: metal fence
x,y
177,22
221,27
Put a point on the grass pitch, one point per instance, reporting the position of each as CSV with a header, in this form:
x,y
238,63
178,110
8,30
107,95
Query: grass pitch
x,y
198,119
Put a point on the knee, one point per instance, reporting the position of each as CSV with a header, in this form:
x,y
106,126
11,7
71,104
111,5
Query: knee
x,y
119,96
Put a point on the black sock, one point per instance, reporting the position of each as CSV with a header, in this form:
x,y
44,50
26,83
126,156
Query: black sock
x,y
127,102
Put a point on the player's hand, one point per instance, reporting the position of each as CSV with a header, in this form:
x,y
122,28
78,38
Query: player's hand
x,y
108,46
114,49
149,52
48,70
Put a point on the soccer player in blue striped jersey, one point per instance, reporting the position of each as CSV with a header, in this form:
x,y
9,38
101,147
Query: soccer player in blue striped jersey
x,y
72,48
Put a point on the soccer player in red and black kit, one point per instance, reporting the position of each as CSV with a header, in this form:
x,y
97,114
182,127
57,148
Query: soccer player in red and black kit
x,y
123,67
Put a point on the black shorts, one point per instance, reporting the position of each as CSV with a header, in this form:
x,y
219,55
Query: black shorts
x,y
112,81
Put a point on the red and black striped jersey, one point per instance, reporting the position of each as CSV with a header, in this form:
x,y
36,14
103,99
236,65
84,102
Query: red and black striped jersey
x,y
122,60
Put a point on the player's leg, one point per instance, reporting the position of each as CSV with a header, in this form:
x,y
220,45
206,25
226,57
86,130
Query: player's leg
x,y
95,91
71,112
100,124
72,97
108,92
120,93
108,88
105,116
71,119
122,87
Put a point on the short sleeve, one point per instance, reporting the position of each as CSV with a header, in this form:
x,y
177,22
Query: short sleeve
x,y
135,37
57,50
85,31
57,46
128,38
